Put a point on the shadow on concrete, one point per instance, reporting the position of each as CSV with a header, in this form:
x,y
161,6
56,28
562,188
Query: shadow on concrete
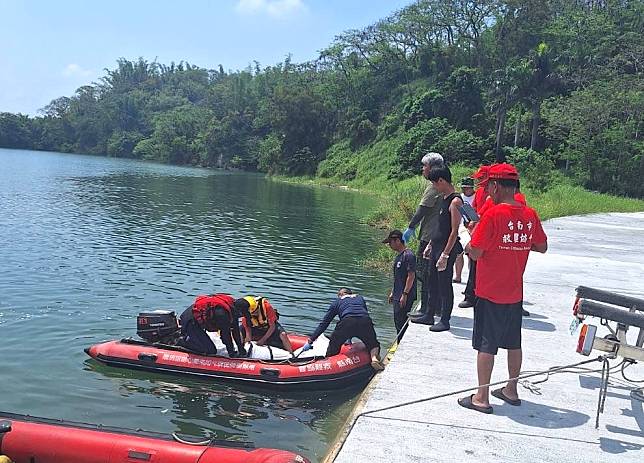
x,y
536,316
461,327
541,416
617,446
537,325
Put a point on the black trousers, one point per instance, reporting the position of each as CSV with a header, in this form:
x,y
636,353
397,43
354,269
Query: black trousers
x,y
428,282
196,339
193,336
445,293
471,282
349,327
400,315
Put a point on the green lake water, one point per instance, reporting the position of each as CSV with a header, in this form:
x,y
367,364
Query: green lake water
x,y
88,242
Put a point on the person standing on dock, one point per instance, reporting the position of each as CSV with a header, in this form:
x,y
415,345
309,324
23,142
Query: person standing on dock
x,y
426,216
403,293
445,245
480,196
500,245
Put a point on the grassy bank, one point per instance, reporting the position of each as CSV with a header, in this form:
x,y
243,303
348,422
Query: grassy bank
x,y
367,170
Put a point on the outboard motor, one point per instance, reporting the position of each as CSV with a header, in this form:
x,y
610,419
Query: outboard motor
x,y
158,326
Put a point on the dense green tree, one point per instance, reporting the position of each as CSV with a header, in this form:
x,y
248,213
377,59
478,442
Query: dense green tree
x,y
549,83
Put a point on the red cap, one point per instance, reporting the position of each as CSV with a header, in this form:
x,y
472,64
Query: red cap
x,y
503,171
482,173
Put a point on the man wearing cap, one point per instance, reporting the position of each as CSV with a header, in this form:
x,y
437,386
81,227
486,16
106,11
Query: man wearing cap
x,y
501,244
480,195
403,293
427,216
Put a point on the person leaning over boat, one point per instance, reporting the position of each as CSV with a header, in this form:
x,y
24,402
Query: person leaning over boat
x,y
501,244
260,323
211,313
354,322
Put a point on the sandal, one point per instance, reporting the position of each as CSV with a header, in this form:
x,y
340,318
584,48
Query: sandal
x,y
467,403
499,394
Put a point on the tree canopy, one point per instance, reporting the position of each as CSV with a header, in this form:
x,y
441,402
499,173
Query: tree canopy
x,y
558,82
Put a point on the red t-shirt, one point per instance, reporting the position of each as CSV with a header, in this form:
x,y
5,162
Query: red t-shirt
x,y
505,234
479,198
518,197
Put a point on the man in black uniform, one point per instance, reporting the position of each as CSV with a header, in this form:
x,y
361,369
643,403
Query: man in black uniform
x,y
403,293
354,322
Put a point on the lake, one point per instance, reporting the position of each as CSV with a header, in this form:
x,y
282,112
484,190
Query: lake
x,y
88,242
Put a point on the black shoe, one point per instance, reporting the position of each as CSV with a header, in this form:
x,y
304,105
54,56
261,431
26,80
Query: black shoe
x,y
424,320
440,326
242,352
417,314
233,354
465,303
525,313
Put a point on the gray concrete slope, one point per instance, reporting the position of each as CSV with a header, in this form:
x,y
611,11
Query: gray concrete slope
x,y
556,422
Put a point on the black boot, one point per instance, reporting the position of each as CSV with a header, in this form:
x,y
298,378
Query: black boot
x,y
443,324
424,319
440,326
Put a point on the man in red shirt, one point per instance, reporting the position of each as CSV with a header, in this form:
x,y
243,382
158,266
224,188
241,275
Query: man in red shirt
x,y
500,245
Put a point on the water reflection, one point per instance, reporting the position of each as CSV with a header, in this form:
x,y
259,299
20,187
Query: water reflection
x,y
89,242
201,408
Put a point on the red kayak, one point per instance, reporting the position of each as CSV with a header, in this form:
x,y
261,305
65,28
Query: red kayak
x,y
350,367
26,439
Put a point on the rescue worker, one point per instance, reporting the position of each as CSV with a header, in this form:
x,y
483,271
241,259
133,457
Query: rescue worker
x,y
354,322
501,244
211,313
260,323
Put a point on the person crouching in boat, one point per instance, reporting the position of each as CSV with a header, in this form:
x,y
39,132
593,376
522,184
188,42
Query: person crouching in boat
x,y
354,322
260,323
211,313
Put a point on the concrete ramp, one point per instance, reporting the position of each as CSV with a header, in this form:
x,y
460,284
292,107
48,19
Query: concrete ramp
x,y
556,422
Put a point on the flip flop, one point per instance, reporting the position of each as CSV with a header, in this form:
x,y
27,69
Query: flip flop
x,y
467,403
498,393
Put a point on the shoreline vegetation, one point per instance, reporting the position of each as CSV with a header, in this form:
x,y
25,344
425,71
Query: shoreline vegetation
x,y
552,86
397,201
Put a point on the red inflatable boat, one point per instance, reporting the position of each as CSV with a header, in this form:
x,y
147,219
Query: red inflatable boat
x,y
351,366
25,439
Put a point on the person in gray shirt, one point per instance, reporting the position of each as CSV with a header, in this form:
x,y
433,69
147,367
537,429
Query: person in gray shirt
x,y
427,217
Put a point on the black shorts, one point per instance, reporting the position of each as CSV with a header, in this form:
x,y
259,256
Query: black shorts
x,y
350,327
496,326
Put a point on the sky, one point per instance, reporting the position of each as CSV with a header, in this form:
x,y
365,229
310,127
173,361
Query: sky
x,y
50,48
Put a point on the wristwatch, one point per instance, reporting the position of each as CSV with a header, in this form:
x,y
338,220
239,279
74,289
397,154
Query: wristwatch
x,y
406,293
